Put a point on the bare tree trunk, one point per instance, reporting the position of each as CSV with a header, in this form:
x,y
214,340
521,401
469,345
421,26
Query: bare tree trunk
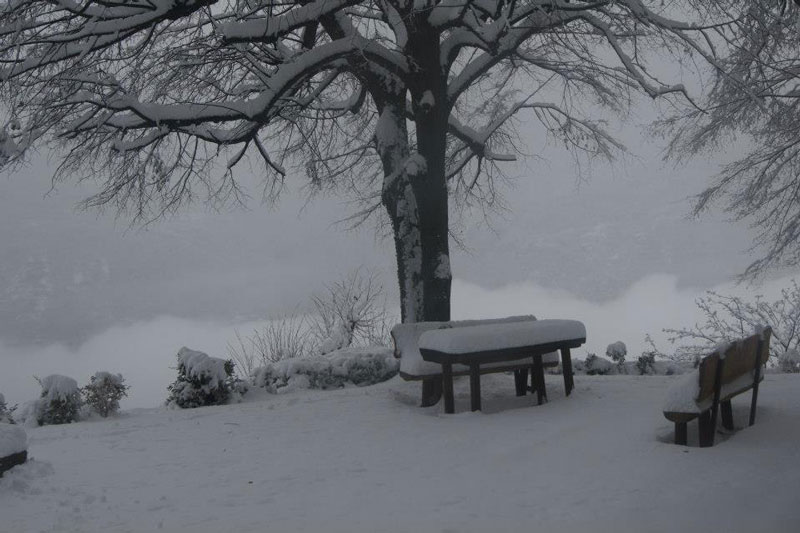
x,y
416,198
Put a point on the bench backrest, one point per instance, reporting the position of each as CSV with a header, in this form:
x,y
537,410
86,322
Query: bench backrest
x,y
741,358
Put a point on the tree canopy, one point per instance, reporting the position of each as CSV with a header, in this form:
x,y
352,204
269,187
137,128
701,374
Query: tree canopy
x,y
753,99
404,103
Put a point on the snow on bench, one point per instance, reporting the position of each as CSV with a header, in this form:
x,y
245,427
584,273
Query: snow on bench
x,y
13,446
501,341
727,372
414,367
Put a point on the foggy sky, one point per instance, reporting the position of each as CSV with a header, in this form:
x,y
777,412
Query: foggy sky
x,y
67,274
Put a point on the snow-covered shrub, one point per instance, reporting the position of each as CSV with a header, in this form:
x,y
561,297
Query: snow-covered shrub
x,y
60,401
600,366
104,392
646,362
6,412
204,380
351,312
356,366
285,337
789,361
616,351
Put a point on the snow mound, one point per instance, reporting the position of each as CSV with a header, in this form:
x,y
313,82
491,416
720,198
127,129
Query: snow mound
x,y
22,479
355,366
12,440
57,387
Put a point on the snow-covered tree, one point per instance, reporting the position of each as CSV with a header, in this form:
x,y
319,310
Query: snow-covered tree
x,y
404,104
59,402
103,392
616,351
754,99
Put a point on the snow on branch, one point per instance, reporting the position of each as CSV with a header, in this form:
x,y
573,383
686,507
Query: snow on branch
x,y
270,29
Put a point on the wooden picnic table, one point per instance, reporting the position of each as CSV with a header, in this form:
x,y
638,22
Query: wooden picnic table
x,y
483,344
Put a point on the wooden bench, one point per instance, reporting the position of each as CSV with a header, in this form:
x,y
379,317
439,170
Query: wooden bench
x,y
414,368
484,344
725,373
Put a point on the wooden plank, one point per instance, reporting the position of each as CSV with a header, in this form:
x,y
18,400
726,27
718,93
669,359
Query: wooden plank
x,y
447,387
475,386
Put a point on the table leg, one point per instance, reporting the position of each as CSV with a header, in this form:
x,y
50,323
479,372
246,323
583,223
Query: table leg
x,y
521,381
475,386
566,368
538,379
447,388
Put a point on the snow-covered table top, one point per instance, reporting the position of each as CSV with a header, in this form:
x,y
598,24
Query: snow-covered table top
x,y
503,336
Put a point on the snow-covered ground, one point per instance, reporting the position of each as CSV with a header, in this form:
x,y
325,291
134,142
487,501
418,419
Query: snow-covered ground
x,y
367,459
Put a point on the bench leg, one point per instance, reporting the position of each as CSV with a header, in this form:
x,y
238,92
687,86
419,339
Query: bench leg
x,y
681,433
707,429
538,379
447,386
475,386
726,411
753,402
521,381
566,369
431,391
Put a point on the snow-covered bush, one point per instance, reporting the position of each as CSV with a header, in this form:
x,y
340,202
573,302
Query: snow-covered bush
x,y
286,337
104,392
600,366
351,312
616,351
356,366
646,363
204,380
60,401
789,361
6,412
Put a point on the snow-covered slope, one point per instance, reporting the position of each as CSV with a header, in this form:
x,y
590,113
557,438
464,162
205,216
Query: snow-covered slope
x,y
367,459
